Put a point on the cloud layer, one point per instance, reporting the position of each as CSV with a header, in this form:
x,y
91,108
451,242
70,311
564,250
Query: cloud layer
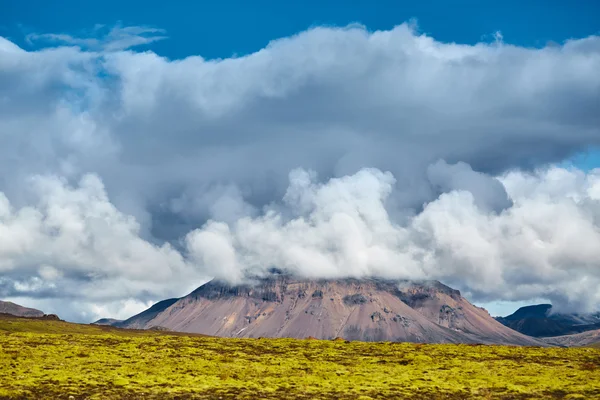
x,y
127,177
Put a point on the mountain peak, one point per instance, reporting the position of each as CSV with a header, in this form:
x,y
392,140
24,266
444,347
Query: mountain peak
x,y
534,311
371,309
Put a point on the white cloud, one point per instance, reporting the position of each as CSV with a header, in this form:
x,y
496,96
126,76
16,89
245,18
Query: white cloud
x,y
72,243
545,245
130,151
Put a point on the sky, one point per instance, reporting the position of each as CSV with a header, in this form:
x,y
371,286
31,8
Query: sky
x,y
221,29
148,147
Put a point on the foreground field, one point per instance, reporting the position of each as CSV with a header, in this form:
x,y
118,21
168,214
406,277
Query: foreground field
x,y
56,360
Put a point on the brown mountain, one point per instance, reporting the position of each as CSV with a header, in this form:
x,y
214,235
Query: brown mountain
x,y
367,309
7,307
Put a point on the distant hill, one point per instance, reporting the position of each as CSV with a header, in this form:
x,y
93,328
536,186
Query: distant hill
x,y
366,309
589,338
7,307
540,321
108,321
50,323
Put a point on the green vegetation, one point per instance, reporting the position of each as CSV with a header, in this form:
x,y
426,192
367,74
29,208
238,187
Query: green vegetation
x,y
57,360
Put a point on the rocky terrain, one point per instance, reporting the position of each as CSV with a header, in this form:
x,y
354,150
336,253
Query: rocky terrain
x,y
366,309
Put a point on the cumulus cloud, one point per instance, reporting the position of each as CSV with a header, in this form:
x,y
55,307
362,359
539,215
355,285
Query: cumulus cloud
x,y
544,245
73,244
137,175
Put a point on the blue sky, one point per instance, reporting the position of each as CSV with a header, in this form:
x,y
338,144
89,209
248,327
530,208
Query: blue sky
x,y
587,160
218,29
230,135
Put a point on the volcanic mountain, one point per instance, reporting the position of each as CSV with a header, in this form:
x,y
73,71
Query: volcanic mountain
x,y
366,309
7,307
540,321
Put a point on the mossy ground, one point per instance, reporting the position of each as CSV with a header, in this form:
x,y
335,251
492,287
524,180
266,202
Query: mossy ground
x,y
55,360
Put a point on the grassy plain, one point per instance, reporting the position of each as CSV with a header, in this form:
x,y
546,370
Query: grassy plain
x,y
57,360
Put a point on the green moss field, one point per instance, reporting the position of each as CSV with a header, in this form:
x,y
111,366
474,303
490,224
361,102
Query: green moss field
x,y
42,359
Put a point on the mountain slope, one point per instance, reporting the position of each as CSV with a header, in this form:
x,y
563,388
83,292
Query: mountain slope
x,y
368,309
446,307
141,320
579,339
7,307
540,321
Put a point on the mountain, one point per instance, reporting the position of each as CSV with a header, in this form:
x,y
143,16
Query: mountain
x,y
540,321
7,307
107,321
367,309
579,339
